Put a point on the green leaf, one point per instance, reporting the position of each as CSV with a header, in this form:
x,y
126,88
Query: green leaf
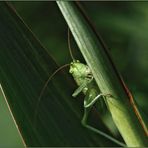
x,y
13,138
24,68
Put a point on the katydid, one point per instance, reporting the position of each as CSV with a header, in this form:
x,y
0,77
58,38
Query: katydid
x,y
86,84
84,79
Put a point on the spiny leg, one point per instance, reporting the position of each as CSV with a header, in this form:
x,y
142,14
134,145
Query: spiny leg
x,y
84,123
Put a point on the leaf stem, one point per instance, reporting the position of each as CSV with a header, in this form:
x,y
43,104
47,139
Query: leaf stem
x,y
105,74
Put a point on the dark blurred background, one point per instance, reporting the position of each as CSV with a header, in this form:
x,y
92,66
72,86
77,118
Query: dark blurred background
x,y
122,25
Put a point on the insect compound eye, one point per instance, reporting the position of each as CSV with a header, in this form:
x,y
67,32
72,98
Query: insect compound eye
x,y
72,64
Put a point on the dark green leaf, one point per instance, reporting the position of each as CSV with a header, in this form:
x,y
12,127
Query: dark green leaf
x,y
24,68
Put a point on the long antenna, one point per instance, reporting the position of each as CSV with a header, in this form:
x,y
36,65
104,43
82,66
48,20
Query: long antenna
x,y
48,80
69,45
43,89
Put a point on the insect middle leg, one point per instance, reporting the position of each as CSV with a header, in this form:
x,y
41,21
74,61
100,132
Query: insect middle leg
x,y
91,103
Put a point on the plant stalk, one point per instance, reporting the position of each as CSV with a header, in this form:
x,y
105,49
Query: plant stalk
x,y
105,74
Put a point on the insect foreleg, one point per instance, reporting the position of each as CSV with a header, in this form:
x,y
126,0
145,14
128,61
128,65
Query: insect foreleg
x,y
81,87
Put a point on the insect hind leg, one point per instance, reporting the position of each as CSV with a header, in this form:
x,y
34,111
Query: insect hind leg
x,y
97,131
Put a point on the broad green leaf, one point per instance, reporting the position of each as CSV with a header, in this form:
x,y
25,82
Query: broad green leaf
x,y
24,68
7,124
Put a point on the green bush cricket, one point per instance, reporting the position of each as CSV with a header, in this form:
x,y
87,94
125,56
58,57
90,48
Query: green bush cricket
x,y
84,79
86,84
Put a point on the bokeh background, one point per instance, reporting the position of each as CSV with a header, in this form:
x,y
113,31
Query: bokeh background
x,y
122,25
